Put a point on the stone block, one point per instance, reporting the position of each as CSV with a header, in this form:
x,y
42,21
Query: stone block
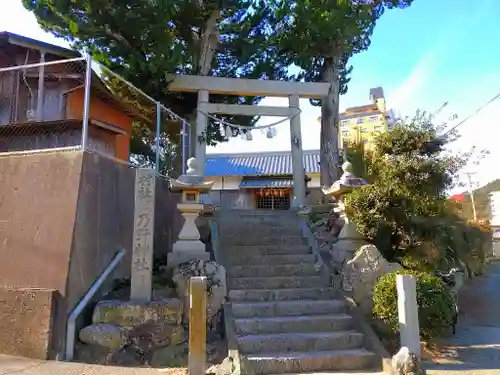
x,y
360,274
26,321
153,335
216,285
129,314
406,362
170,356
109,336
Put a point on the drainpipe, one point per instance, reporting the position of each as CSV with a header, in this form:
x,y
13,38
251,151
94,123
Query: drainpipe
x,y
70,325
86,102
41,86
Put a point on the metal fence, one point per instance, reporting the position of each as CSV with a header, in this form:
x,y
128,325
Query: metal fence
x,y
78,103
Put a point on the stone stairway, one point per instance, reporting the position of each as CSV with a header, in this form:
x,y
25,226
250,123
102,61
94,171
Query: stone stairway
x,y
286,316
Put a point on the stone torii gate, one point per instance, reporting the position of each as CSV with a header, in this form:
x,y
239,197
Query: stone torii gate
x,y
205,85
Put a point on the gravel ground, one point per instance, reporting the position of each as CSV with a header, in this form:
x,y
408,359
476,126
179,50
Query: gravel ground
x,y
475,349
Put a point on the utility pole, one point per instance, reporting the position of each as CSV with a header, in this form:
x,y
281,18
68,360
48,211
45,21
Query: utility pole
x,y
471,192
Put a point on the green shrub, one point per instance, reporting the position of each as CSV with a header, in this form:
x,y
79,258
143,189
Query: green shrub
x,y
433,297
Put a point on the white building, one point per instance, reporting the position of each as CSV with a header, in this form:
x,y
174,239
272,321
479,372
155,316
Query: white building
x,y
259,180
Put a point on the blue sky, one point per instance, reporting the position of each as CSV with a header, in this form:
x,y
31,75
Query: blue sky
x,y
432,52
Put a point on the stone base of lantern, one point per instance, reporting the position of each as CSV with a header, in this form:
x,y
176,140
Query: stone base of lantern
x,y
349,240
177,257
188,246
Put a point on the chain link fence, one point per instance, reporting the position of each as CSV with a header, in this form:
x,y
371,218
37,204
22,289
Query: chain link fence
x,y
148,133
38,106
65,105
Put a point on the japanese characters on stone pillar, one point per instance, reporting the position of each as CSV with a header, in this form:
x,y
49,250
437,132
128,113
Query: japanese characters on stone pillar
x,y
142,246
191,185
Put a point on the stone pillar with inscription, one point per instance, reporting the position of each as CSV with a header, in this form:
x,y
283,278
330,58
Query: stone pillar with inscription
x,y
188,246
142,248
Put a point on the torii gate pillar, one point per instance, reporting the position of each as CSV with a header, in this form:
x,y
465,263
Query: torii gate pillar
x,y
299,187
200,151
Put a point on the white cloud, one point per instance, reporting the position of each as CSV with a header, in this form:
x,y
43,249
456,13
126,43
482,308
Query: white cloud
x,y
403,97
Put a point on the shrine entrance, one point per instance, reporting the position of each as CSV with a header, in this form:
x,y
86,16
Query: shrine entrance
x,y
206,85
272,199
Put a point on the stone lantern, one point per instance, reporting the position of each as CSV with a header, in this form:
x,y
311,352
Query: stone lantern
x,y
188,246
349,240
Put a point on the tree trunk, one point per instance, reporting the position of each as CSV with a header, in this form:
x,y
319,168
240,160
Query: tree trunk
x,y
329,150
208,43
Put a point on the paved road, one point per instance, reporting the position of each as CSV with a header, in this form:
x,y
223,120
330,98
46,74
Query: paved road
x,y
10,365
475,349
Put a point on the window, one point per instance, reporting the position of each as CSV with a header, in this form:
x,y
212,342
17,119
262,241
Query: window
x,y
345,134
272,199
364,130
373,118
361,120
344,123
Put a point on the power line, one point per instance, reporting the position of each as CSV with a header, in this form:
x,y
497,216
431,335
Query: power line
x,y
473,114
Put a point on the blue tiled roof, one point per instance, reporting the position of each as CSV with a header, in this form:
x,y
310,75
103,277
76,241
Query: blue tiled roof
x,y
258,164
263,183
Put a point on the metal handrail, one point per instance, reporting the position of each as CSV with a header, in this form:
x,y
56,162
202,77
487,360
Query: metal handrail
x,y
70,325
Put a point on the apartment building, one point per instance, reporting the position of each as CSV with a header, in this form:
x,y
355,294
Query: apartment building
x,y
363,123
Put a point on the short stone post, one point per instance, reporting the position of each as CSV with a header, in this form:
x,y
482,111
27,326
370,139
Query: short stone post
x,y
142,247
409,329
197,325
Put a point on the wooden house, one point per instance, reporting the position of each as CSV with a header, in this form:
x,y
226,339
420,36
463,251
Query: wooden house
x,y
42,107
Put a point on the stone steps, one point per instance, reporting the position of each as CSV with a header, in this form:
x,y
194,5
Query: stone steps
x,y
257,250
262,230
245,259
299,324
242,240
277,282
297,269
287,308
266,295
310,361
299,342
286,316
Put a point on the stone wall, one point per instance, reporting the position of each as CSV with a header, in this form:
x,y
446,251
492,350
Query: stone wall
x,y
64,216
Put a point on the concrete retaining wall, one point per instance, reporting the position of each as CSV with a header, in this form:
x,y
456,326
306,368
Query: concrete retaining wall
x,y
63,216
